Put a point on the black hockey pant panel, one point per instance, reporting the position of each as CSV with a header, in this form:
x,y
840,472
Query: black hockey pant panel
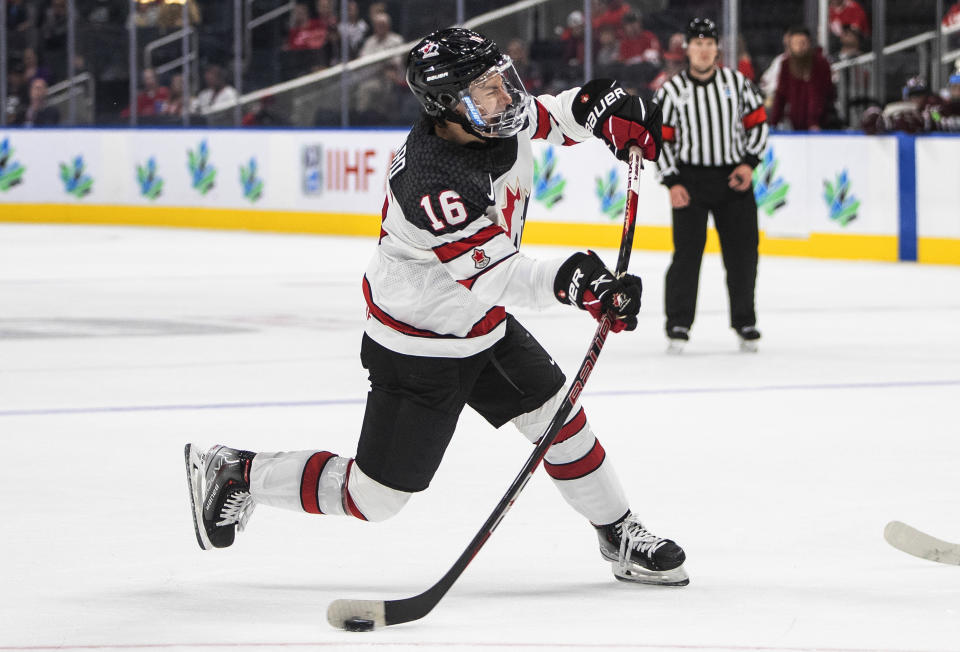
x,y
415,401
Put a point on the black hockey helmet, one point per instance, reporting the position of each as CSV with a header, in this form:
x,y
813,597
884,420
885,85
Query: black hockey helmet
x,y
460,75
702,28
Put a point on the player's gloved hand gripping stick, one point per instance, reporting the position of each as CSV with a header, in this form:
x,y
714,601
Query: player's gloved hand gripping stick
x,y
364,615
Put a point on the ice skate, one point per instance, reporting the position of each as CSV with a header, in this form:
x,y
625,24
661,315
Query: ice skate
x,y
219,482
637,555
749,338
677,338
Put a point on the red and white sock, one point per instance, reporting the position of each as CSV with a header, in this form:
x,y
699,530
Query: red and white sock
x,y
320,482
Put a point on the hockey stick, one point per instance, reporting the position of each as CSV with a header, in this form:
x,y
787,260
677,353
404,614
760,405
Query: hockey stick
x,y
914,542
363,615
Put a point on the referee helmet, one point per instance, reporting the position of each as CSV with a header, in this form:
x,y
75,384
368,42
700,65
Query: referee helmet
x,y
702,28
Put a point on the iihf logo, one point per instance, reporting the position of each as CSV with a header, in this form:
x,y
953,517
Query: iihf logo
x,y
480,259
429,49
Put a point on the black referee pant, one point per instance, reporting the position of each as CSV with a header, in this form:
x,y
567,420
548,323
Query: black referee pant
x,y
735,218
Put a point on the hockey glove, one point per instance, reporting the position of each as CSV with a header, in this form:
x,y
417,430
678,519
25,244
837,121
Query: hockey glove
x,y
584,281
620,119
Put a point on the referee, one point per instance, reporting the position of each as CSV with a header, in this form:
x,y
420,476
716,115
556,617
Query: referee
x,y
714,131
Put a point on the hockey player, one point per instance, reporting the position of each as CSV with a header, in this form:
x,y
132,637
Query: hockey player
x,y
437,337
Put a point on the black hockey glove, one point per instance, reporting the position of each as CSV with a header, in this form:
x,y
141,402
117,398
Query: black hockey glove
x,y
584,281
620,119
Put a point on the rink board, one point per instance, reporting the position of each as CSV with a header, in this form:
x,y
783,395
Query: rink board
x,y
823,196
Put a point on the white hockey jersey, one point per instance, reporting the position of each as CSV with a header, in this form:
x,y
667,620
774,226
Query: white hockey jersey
x,y
448,258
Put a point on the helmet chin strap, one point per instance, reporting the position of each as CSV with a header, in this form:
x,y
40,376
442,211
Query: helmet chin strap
x,y
462,120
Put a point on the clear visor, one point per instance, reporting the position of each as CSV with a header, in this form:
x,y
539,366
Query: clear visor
x,y
495,102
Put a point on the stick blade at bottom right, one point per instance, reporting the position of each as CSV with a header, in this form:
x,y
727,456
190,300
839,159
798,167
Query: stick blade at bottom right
x,y
340,611
919,544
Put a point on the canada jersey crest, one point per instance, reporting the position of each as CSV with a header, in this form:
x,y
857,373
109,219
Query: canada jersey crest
x,y
480,259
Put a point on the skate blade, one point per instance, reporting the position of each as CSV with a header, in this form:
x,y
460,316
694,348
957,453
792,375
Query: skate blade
x,y
675,347
638,575
749,346
193,459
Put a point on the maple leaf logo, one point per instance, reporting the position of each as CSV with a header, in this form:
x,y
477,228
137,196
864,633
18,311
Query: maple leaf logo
x,y
480,259
515,199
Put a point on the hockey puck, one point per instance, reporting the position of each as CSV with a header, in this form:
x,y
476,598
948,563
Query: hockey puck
x,y
358,625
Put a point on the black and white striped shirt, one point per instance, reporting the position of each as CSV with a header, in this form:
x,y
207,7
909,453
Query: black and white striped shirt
x,y
714,123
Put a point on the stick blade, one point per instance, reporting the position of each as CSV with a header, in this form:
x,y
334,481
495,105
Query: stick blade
x,y
919,544
340,611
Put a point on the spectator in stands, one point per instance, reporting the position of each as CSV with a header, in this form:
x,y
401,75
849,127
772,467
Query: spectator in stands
x,y
148,13
383,37
850,43
856,79
151,98
744,60
53,29
675,47
263,115
638,45
770,76
170,16
528,71
355,28
217,94
374,9
607,49
952,19
947,117
32,68
37,113
952,16
918,111
105,12
173,105
18,93
308,43
305,33
674,61
612,15
805,92
572,39
328,18
19,17
847,13
952,91
381,80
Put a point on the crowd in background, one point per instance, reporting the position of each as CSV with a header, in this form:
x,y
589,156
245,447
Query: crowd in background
x,y
642,51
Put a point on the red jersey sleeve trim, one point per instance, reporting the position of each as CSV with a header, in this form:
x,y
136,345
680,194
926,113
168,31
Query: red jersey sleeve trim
x,y
543,122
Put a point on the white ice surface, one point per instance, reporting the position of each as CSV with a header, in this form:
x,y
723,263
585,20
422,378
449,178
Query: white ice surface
x,y
776,471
